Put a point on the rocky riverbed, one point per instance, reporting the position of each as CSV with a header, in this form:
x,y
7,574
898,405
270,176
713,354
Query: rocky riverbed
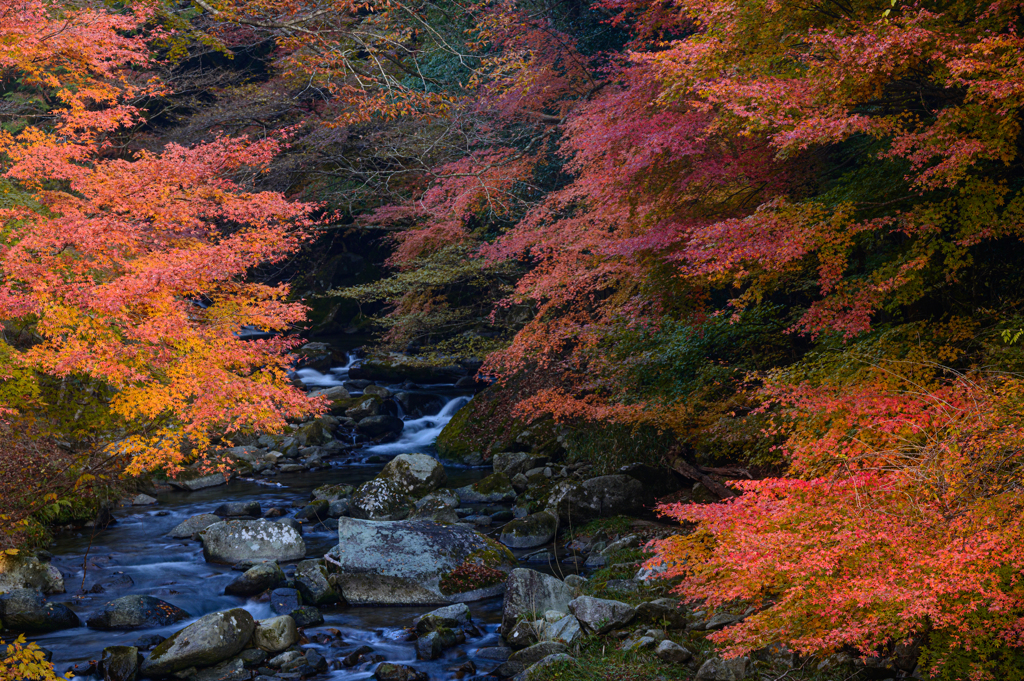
x,y
333,555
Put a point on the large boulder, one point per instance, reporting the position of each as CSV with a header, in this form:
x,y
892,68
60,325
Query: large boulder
x,y
256,580
252,541
207,641
136,612
197,523
599,616
529,532
416,563
601,497
529,594
25,610
192,481
28,572
390,495
276,634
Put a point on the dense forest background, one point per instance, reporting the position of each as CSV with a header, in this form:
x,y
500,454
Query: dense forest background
x,y
779,240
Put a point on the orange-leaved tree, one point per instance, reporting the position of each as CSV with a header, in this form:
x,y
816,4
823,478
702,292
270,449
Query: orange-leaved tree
x,y
126,275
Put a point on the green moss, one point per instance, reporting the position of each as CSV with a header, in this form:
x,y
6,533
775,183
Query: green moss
x,y
494,483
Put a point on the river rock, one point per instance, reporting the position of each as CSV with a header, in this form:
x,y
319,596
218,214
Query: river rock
x,y
397,368
529,532
256,580
314,511
601,497
380,425
331,492
119,663
207,641
25,610
435,510
237,541
529,594
191,481
493,489
236,509
599,616
143,500
452,617
389,671
315,432
231,670
670,651
311,581
276,634
283,601
432,645
365,409
404,562
307,616
136,612
187,528
390,495
28,572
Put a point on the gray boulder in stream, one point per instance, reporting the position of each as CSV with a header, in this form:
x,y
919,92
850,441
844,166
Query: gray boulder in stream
x,y
256,580
136,612
188,527
530,532
207,641
252,541
25,610
416,562
390,495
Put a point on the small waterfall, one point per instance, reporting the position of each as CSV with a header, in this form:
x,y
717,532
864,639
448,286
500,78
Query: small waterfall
x,y
420,433
312,378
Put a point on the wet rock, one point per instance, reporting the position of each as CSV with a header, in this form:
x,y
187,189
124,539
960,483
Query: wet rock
x,y
389,671
416,474
403,562
25,610
672,652
529,532
601,497
256,580
192,481
236,509
284,659
529,593
599,615
331,492
136,612
143,500
120,663
252,657
356,656
275,634
234,541
196,523
496,653
207,641
311,581
307,616
28,572
149,642
390,495
315,511
493,489
367,408
284,601
339,508
231,670
432,645
380,425
452,617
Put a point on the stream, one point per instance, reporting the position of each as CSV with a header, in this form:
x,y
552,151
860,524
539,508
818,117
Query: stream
x,y
135,556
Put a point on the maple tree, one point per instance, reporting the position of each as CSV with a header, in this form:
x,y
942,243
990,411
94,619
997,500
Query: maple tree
x,y
125,274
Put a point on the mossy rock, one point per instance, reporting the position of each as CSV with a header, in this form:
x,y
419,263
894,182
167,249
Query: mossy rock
x,y
486,425
396,368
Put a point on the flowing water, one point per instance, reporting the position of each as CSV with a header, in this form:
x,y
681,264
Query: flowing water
x,y
135,556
